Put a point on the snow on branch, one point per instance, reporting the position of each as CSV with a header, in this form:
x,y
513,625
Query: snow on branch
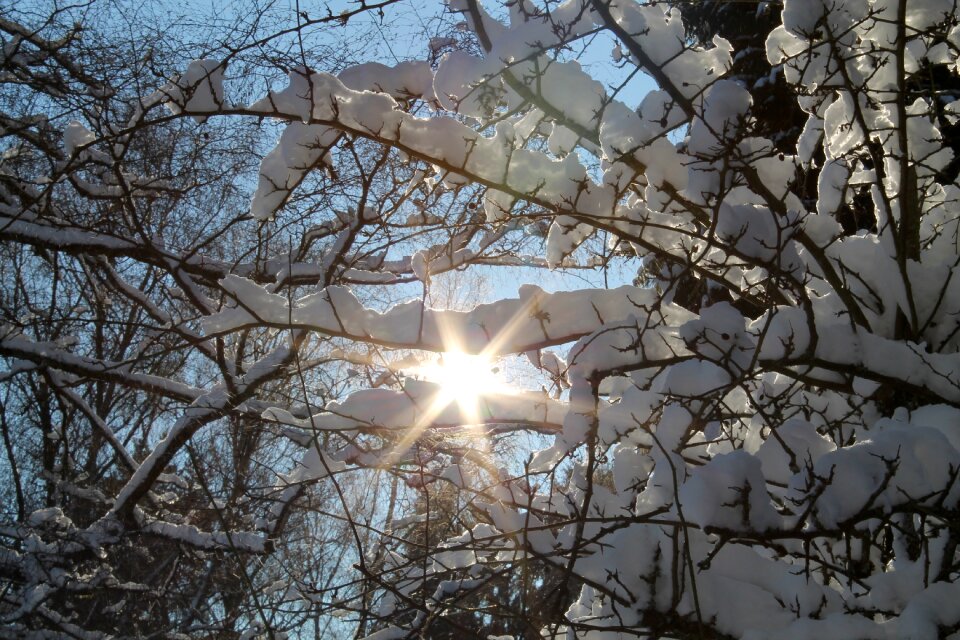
x,y
266,373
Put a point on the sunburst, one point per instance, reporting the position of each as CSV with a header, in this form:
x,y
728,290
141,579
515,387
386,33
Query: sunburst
x,y
464,379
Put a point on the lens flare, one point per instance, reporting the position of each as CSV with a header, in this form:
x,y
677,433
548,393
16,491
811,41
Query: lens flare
x,y
464,379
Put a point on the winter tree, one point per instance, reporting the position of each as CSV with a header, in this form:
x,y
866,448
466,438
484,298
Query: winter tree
x,y
236,401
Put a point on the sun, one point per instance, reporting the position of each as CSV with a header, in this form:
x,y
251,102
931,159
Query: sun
x,y
465,379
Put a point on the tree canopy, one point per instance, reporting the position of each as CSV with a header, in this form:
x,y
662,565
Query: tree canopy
x,y
261,375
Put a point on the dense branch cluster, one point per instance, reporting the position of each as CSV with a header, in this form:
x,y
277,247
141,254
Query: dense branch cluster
x,y
221,284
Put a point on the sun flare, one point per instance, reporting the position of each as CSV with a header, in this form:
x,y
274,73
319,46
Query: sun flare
x,y
464,378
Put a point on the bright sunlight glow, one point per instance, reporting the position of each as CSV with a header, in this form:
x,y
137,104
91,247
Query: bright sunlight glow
x,y
464,378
